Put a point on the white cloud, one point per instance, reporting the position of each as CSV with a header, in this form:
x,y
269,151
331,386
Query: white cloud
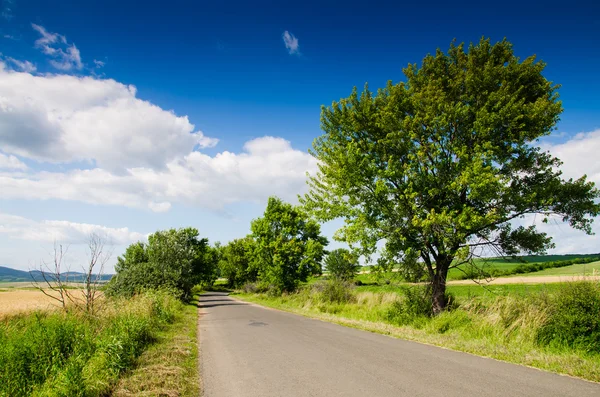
x,y
579,155
63,119
63,231
291,43
99,64
65,58
11,163
139,155
268,166
23,66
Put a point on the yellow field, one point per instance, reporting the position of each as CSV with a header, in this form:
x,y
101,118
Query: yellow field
x,y
19,300
14,301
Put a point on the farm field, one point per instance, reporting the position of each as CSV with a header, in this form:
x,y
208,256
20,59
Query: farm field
x,y
501,265
23,300
15,299
582,269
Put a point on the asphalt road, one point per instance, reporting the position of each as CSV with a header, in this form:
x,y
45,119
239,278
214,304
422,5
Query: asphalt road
x,y
247,350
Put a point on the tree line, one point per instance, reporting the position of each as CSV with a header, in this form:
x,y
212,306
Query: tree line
x,y
284,248
429,173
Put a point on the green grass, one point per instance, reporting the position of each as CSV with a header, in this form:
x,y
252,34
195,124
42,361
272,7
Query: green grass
x,y
582,269
502,322
74,354
498,266
502,265
169,367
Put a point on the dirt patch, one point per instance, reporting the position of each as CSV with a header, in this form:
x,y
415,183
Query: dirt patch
x,y
527,280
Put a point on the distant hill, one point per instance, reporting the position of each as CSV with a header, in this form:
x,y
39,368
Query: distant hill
x,y
13,275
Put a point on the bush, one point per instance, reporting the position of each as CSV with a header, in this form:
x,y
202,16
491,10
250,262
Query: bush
x,y
333,291
70,354
415,305
260,288
341,264
574,318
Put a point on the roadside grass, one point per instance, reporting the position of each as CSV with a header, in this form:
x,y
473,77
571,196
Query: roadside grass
x,y
57,353
169,367
502,323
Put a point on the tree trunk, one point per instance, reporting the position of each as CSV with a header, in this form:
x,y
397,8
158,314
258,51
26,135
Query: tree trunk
x,y
438,294
438,286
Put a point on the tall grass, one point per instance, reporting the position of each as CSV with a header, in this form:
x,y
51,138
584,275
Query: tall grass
x,y
73,354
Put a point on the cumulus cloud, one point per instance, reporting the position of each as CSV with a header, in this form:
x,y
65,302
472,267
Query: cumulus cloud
x,y
267,166
99,64
575,154
578,155
63,231
11,163
63,119
291,43
139,155
65,56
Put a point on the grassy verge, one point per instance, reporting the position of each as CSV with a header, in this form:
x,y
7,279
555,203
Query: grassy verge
x,y
73,354
169,367
538,328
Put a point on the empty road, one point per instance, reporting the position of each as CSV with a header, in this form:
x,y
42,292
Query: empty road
x,y
247,350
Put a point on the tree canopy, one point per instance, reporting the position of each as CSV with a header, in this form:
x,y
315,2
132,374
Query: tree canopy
x,y
175,259
445,164
236,262
289,246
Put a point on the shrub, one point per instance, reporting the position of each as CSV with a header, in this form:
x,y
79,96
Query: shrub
x,y
259,287
574,317
334,291
415,305
341,264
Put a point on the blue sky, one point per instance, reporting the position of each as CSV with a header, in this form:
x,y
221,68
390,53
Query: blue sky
x,y
227,69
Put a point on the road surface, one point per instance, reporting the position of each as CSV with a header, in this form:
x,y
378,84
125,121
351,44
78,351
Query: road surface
x,y
248,350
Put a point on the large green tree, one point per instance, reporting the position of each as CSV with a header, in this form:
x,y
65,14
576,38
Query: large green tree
x,y
176,259
289,246
442,165
236,262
